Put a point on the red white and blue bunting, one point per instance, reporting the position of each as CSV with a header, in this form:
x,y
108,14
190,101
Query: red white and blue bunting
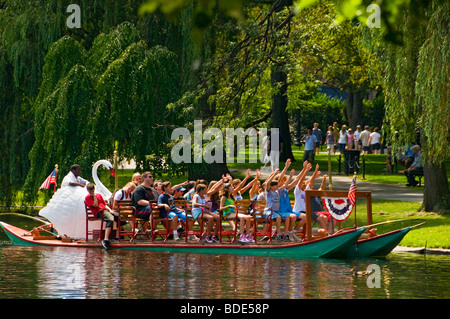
x,y
339,208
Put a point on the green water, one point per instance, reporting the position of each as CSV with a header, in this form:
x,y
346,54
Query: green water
x,y
42,272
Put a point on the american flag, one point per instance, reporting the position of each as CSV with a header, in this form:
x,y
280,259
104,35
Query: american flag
x,y
51,179
352,192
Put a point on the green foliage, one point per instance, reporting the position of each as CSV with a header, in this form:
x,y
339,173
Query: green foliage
x,y
321,109
432,85
111,97
416,83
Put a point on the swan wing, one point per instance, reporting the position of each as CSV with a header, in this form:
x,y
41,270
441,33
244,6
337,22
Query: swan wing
x,y
66,211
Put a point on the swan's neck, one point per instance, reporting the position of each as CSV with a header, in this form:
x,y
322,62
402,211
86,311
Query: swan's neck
x,y
98,184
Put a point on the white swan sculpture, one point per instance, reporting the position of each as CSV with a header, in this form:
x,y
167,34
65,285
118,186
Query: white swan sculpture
x,y
66,211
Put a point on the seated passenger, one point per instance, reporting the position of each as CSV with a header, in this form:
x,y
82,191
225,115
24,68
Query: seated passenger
x,y
199,204
286,212
277,199
99,209
229,211
121,194
167,206
272,197
143,195
73,178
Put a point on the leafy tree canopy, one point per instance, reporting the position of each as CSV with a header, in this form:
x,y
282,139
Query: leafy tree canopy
x,y
110,97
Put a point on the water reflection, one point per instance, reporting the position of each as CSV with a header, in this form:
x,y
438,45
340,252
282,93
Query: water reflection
x,y
42,272
35,272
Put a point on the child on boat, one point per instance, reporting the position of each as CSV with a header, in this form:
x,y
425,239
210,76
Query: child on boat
x,y
228,209
99,209
273,192
256,187
199,204
239,187
300,205
168,204
286,212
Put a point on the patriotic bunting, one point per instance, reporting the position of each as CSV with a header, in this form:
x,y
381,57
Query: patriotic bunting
x,y
339,208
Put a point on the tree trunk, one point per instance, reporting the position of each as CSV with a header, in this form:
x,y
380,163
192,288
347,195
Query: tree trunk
x,y
436,195
280,99
354,107
279,114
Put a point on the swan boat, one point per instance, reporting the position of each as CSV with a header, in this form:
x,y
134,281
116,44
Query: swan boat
x,y
66,212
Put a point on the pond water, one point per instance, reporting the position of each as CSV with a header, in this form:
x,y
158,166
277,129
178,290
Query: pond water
x,y
44,273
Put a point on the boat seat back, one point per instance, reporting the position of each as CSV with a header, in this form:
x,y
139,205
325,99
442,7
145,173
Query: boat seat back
x,y
91,219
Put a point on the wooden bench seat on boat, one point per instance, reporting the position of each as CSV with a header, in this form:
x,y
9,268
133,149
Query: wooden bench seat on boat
x,y
91,218
190,229
261,226
127,213
265,223
161,226
156,219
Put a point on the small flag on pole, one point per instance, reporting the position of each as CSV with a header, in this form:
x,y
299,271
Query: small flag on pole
x,y
352,192
51,179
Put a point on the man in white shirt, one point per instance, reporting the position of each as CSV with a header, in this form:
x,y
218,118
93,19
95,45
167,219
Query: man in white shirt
x,y
364,137
73,177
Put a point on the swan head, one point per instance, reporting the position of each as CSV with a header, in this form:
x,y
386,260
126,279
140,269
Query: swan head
x,y
107,164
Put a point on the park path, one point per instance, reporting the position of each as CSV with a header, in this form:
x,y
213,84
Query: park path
x,y
379,191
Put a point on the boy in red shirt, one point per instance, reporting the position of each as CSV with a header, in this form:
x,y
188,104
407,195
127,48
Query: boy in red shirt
x,y
97,205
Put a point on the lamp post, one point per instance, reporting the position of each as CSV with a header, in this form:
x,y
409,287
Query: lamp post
x,y
115,170
329,168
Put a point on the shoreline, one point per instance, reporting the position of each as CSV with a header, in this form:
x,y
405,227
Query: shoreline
x,y
422,250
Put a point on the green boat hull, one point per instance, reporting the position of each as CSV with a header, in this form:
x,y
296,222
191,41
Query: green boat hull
x,y
335,246
329,247
378,246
